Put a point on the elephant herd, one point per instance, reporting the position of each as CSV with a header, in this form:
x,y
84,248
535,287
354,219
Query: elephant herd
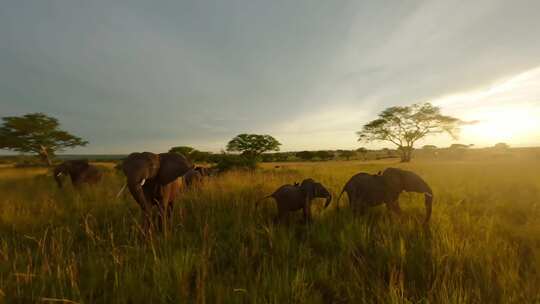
x,y
153,180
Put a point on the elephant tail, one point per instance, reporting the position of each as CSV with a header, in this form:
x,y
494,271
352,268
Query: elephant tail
x,y
262,199
428,196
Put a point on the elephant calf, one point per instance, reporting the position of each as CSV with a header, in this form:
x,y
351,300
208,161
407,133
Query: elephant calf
x,y
79,171
298,196
192,177
366,190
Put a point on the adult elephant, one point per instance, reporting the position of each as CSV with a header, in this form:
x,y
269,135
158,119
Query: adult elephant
x,y
365,190
79,171
161,172
298,197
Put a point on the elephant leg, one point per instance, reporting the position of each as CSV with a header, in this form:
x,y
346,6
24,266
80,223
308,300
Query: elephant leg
x,y
146,217
307,213
358,205
282,214
394,207
350,196
362,209
170,210
163,216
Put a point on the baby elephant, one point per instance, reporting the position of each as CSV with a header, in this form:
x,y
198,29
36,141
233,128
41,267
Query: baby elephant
x,y
192,177
79,171
365,190
298,196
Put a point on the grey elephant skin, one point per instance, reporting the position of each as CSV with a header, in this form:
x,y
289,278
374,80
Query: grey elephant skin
x,y
298,196
366,190
79,171
162,195
152,178
192,177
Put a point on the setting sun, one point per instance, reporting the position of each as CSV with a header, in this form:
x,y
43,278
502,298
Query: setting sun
x,y
504,124
506,111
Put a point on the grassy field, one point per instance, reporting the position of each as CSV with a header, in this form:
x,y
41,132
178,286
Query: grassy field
x,y
483,245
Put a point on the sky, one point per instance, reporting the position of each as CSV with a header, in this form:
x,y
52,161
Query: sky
x,y
141,75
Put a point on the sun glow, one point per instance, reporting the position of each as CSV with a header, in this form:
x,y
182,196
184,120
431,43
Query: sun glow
x,y
502,124
508,111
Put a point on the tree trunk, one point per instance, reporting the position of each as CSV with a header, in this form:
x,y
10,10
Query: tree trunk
x,y
44,155
405,154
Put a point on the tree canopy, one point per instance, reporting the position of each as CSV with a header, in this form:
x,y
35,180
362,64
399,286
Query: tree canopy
x,y
324,155
252,145
347,154
191,153
36,133
305,155
459,146
363,151
501,146
404,125
184,150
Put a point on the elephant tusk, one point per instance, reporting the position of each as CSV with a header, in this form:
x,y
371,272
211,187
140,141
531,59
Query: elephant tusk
x,y
428,194
144,180
59,173
121,190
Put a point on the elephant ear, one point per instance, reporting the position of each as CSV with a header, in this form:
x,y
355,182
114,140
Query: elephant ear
x,y
172,166
308,189
79,165
393,179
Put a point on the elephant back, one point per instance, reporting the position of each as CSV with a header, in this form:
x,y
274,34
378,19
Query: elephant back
x,y
145,165
405,180
172,166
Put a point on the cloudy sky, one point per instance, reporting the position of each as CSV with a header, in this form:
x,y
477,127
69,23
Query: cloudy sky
x,y
148,75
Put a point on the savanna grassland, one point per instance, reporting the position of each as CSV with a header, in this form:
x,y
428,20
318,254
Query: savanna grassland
x,y
483,245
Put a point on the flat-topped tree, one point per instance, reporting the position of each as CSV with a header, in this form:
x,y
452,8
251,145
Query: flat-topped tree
x,y
184,150
36,133
405,125
363,151
253,145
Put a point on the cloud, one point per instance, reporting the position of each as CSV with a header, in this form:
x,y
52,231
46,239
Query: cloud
x,y
134,75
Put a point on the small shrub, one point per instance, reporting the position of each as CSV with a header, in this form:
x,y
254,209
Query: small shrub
x,y
228,162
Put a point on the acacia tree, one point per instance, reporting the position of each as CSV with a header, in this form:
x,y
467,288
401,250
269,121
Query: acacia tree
x,y
405,125
36,133
184,150
501,146
363,151
253,145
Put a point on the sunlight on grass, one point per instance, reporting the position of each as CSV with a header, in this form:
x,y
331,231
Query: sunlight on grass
x,y
483,245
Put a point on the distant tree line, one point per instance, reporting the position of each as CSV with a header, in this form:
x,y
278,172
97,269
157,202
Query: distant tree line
x,y
401,126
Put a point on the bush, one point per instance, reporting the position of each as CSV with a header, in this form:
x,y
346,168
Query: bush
x,y
29,162
227,162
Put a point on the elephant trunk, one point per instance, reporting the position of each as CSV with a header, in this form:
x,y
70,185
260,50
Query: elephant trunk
x,y
328,200
135,188
57,173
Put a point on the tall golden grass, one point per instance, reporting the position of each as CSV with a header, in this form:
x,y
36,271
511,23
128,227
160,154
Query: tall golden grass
x,y
483,245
